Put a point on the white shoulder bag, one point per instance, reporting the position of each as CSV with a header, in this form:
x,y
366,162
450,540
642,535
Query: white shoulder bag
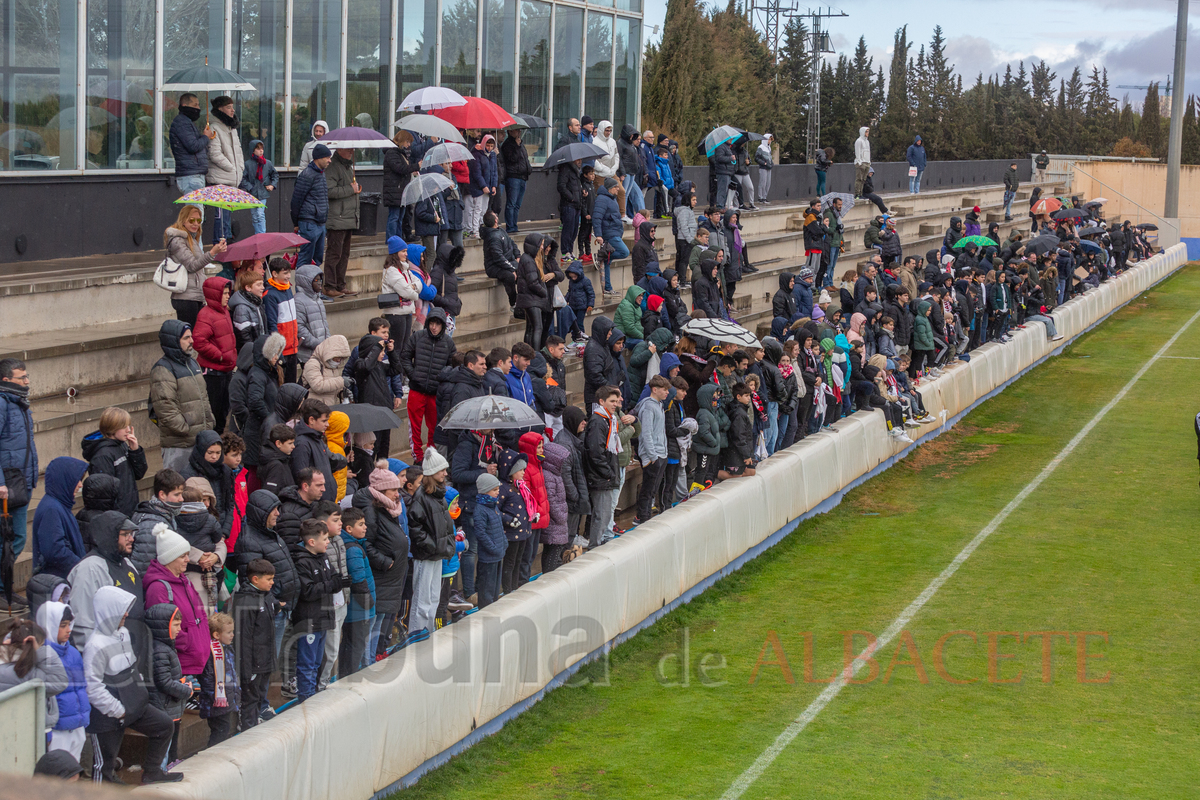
x,y
171,275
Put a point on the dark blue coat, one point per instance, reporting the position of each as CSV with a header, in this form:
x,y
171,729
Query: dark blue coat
x,y
189,147
580,293
17,450
606,217
489,529
57,542
310,196
916,154
649,165
475,187
803,295
428,214
520,387
488,168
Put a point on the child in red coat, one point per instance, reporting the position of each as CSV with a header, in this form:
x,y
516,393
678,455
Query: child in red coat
x,y
216,345
530,445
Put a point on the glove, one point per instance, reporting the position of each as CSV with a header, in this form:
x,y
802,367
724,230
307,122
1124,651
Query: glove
x,y
536,516
348,384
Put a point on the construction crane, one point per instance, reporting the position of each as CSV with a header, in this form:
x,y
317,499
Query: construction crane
x,y
1166,93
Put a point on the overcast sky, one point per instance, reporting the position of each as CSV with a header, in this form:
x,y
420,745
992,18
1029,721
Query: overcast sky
x,y
1134,40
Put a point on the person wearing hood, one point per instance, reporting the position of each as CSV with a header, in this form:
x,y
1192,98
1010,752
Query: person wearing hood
x,y
113,450
215,344
632,172
259,539
323,371
262,391
57,542
602,362
673,305
607,222
109,563
207,462
319,129
706,290
628,316
399,166
1011,184
259,178
310,205
74,710
515,159
444,279
116,686
184,247
922,341
862,159
645,257
166,685
783,304
581,299
609,166
765,160
424,356
312,322
644,353
226,161
100,493
179,404
915,155
953,234
537,273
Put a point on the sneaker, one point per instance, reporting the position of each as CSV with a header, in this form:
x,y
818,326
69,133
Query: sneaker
x,y
627,220
289,688
911,423
266,714
113,779
904,437
158,776
567,258
610,292
459,603
585,259
416,636
687,285
1057,337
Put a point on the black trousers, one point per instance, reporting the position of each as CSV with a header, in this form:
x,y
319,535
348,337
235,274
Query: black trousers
x,y
254,692
513,556
217,384
508,279
153,723
584,243
222,727
652,476
291,368
535,327
385,633
187,310
355,636
666,490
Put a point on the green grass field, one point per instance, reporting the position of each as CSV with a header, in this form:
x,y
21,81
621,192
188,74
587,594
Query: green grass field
x,y
1105,546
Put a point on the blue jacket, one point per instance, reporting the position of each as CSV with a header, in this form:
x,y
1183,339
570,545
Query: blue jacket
x,y
475,176
580,293
310,196
429,213
489,529
802,293
17,450
520,387
606,218
664,171
74,709
57,542
916,154
250,182
647,154
360,571
584,136
488,171
189,147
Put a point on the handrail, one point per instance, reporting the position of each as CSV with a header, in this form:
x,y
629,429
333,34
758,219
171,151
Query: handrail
x,y
1127,198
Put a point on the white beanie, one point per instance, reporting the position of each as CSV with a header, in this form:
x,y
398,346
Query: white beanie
x,y
434,462
169,544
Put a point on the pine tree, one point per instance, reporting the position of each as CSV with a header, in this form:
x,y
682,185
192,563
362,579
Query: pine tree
x,y
1150,130
677,75
1190,154
795,79
1125,127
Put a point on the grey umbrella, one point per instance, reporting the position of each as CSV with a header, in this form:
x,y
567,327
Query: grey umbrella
x,y
365,417
429,125
491,412
575,151
422,187
721,330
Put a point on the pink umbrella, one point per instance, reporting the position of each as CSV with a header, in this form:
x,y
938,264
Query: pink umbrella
x,y
261,245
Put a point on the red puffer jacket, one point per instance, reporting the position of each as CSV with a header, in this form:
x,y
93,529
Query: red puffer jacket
x,y
528,445
213,338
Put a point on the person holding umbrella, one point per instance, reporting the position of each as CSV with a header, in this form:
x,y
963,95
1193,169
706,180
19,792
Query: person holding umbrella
x,y
225,160
399,166
343,189
182,242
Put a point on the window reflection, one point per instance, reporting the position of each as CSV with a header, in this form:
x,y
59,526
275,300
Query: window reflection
x,y
316,64
534,93
599,66
119,105
499,33
259,31
568,68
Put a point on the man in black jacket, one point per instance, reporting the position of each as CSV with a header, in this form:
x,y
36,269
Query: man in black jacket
x,y
722,164
377,363
515,160
602,365
425,354
296,504
312,451
313,616
600,464
570,205
500,256
896,306
444,278
632,171
548,374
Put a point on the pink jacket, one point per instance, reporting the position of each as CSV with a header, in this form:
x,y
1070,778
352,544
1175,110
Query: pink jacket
x,y
192,643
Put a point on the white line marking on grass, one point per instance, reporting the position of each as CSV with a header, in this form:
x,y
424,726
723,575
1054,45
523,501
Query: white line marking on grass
x,y
768,756
1185,358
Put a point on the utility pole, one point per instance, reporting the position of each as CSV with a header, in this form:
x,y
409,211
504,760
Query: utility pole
x,y
820,45
1175,141
770,11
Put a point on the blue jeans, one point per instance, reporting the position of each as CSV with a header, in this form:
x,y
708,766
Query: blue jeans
x,y
635,201
310,649
1008,200
827,281
259,217
514,194
222,224
395,221
820,182
468,560
314,251
619,251
914,183
771,434
190,183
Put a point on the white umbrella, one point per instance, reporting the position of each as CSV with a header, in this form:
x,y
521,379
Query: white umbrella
x,y
445,153
428,97
721,330
1099,201
429,125
422,187
491,412
356,139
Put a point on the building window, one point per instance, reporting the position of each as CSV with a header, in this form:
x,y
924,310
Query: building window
x,y
259,32
499,55
534,93
120,84
316,68
418,46
596,101
192,32
37,92
367,54
629,67
568,68
628,5
460,20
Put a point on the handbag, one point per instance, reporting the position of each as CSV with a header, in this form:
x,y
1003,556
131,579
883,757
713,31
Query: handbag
x,y
170,275
389,300
559,300
14,477
912,172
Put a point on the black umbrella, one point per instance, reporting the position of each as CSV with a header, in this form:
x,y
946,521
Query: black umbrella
x,y
573,152
365,418
1091,230
1147,226
531,121
1042,244
7,558
1067,213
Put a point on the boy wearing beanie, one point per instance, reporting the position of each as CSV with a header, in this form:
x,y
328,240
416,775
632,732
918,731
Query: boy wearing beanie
x,y
489,538
431,533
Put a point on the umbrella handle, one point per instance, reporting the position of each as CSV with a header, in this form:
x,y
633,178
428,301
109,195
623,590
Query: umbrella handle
x,y
4,503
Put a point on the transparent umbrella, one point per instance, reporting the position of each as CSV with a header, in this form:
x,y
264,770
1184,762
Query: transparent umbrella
x,y
422,187
491,412
445,153
429,125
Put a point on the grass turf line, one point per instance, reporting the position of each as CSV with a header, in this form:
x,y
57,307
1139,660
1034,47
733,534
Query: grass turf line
x,y
1098,547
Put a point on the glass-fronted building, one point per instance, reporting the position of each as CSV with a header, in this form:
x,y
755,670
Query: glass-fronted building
x,y
81,80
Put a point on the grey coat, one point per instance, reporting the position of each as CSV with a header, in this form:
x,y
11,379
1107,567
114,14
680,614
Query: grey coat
x,y
193,259
312,323
343,200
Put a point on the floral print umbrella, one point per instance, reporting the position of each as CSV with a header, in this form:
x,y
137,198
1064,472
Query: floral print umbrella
x,y
228,197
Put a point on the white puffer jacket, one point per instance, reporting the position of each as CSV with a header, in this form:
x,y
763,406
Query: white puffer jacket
x,y
606,166
225,158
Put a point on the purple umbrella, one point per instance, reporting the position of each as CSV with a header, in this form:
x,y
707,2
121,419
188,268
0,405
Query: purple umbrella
x,y
356,138
261,245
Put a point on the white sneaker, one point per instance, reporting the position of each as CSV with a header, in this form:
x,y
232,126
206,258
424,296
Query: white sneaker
x,y
904,438
627,220
911,423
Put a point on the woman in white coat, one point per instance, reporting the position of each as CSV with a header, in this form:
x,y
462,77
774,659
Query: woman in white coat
x,y
226,161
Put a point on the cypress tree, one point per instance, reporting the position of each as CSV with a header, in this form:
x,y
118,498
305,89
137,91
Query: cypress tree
x,y
1150,130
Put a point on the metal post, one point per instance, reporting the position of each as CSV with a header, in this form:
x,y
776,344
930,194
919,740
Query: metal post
x,y
157,148
1175,142
814,94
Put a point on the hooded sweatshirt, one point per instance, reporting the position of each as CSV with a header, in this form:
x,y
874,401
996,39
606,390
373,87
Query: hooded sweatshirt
x,y
111,666
312,323
862,147
57,542
178,393
606,166
74,710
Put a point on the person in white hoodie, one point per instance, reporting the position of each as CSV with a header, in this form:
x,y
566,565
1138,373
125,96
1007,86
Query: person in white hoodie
x,y
116,687
319,129
862,159
400,280
607,166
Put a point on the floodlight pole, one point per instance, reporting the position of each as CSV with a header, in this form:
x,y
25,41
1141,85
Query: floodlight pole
x,y
1175,141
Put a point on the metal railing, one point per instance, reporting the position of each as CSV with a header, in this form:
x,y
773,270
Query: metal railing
x,y
1139,209
1062,166
22,727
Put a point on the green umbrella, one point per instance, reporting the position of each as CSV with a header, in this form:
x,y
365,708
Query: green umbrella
x,y
980,241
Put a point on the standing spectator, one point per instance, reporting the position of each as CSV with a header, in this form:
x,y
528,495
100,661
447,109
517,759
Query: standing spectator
x,y
178,395
1011,184
57,542
555,472
587,194
431,532
312,617
319,129
259,178
835,242
399,166
500,256
721,167
215,345
684,225
259,540
378,362
537,273
18,455
220,692
570,204
915,155
166,583
650,172
312,323
516,172
766,162
862,159
478,191
164,505
189,147
323,373
165,681
608,166
444,279
360,607
262,391
1041,163
225,159
386,546
607,222
253,610
310,206
822,161
490,538
741,176
632,171
246,310
279,305
652,446
424,356
400,279
600,464
182,242
114,450
343,189
311,450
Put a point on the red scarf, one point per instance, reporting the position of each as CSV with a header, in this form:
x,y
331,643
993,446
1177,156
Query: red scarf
x,y
262,160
